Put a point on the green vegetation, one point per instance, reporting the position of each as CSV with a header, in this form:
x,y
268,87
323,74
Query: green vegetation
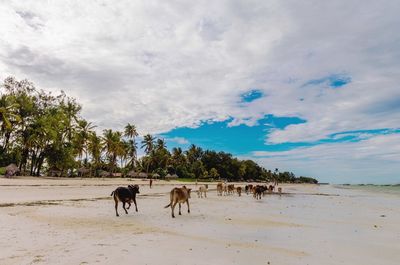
x,y
45,134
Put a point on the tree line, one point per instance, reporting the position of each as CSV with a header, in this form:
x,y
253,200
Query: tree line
x,y
41,132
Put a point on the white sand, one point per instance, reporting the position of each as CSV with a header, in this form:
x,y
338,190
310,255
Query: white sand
x,y
47,221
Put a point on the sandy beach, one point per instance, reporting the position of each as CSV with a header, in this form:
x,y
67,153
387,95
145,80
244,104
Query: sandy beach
x,y
72,221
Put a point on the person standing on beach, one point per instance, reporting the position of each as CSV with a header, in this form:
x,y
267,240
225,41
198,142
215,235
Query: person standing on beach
x,y
151,182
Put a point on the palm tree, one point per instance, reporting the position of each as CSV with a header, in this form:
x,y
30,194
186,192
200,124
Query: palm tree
x,y
178,158
8,112
94,148
130,131
132,152
148,143
113,146
8,115
194,153
160,155
161,144
85,128
71,110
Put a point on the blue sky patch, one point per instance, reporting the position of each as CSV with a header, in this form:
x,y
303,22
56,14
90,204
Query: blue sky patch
x,y
251,95
355,136
243,140
238,140
333,81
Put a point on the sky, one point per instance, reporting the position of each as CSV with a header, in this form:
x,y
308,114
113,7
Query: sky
x,y
310,87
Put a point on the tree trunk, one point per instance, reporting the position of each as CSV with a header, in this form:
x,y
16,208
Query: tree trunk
x,y
39,163
33,161
7,140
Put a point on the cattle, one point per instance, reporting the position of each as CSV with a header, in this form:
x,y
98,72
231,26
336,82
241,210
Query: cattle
x,y
248,188
271,188
258,191
225,189
220,188
239,191
231,188
178,196
125,195
202,189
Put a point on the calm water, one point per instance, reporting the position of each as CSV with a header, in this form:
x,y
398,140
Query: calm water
x,y
388,189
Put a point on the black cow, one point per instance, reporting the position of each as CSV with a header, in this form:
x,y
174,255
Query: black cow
x,y
258,191
125,195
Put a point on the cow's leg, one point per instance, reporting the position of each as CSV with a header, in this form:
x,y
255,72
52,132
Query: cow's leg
x,y
180,209
116,205
172,209
205,194
129,204
134,201
187,201
123,206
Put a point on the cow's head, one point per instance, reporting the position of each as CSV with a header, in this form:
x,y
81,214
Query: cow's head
x,y
188,190
134,188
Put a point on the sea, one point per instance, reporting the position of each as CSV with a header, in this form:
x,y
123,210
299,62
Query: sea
x,y
387,189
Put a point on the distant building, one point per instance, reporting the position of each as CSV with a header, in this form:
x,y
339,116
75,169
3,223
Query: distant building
x,y
134,174
171,177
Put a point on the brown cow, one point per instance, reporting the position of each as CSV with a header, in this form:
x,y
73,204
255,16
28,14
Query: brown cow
x,y
220,188
125,195
248,188
231,189
178,196
239,191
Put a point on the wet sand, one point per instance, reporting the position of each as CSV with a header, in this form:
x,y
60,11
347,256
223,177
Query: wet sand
x,y
72,221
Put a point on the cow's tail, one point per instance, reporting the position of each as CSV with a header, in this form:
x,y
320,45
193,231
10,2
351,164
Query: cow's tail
x,y
112,193
170,200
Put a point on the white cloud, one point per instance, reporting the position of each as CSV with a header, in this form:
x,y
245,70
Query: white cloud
x,y
166,64
178,140
159,65
374,160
